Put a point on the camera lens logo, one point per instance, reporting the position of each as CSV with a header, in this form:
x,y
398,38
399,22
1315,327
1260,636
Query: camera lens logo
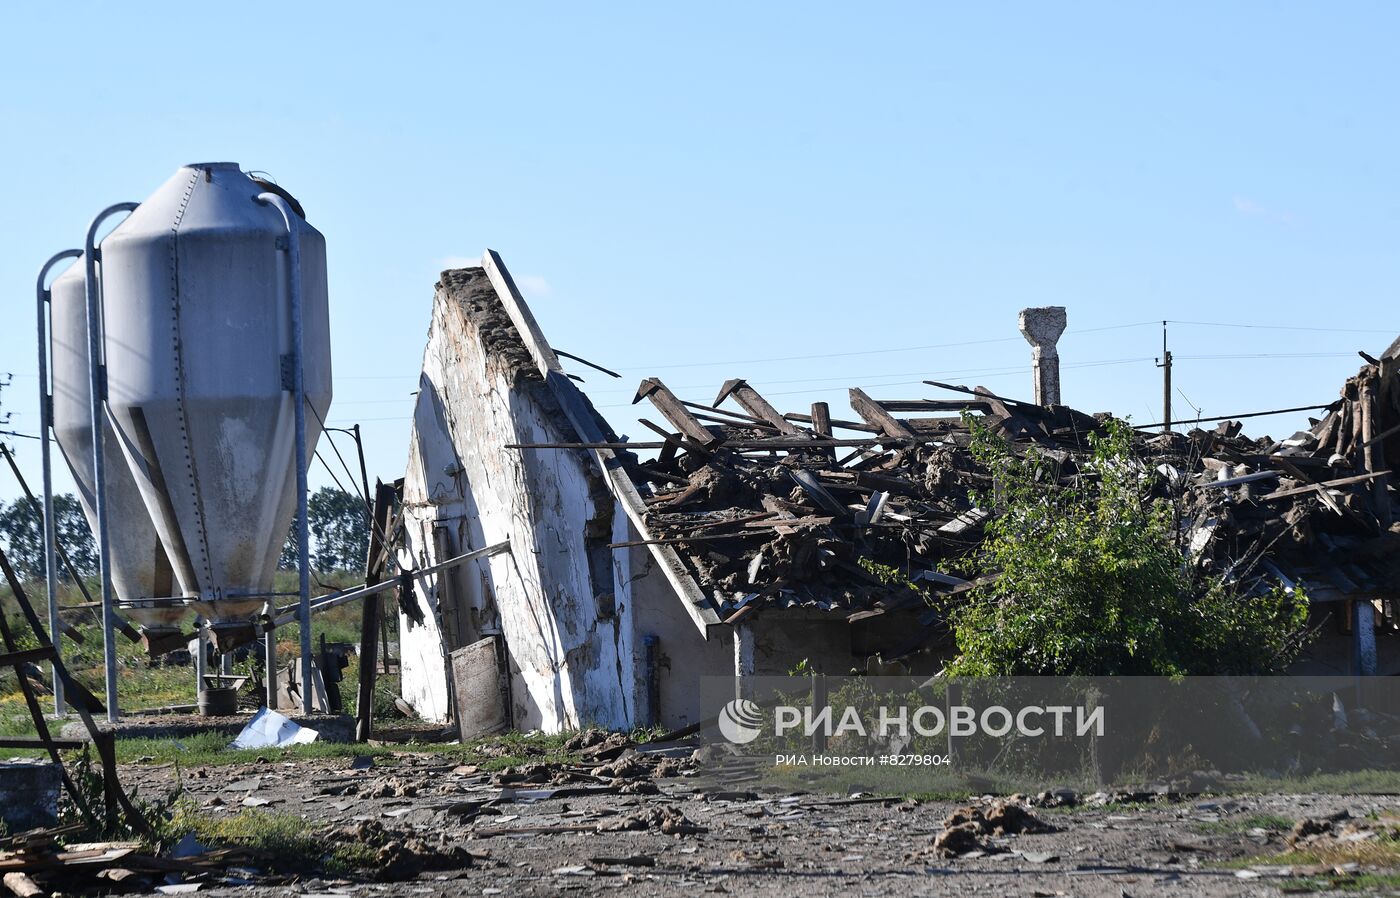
x,y
740,721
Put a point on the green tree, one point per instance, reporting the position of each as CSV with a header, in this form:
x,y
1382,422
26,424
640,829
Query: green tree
x,y
22,533
1091,579
339,527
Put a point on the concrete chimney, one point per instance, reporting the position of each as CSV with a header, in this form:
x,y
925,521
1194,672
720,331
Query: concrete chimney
x,y
1042,328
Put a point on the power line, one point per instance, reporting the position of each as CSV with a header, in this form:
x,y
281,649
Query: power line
x,y
1269,355
882,351
1068,335
1290,327
979,372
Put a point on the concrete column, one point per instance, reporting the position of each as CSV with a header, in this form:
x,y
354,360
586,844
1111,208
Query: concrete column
x,y
743,661
1042,328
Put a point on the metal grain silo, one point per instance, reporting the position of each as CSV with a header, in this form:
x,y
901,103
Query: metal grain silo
x,y
141,573
200,351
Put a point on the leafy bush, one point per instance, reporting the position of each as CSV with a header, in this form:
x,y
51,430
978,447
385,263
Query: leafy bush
x,y
1091,579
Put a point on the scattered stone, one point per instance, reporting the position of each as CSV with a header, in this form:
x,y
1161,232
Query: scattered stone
x,y
667,820
389,787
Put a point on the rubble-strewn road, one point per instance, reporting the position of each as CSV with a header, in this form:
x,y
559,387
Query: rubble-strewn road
x,y
689,839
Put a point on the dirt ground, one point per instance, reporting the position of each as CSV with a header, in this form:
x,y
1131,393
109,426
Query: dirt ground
x,y
688,838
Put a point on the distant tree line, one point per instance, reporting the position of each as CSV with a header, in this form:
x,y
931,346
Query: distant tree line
x,y
339,534
22,535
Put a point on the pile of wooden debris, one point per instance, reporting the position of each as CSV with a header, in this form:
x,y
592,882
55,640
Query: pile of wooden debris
x,y
38,863
780,510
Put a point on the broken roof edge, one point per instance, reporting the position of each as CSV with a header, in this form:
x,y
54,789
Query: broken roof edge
x,y
585,420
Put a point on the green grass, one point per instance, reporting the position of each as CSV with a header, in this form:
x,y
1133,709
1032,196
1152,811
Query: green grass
x,y
210,748
285,841
144,683
1355,782
1364,882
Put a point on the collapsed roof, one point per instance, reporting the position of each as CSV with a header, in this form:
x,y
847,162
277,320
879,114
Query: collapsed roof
x,y
770,510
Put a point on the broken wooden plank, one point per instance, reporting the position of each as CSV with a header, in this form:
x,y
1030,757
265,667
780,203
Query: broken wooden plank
x,y
808,521
833,422
756,444
687,538
1371,455
728,422
821,420
1327,485
736,419
675,411
753,403
1236,481
679,441
932,405
964,522
984,393
779,507
1293,471
873,414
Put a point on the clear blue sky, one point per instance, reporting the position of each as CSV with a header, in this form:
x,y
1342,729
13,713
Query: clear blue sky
x,y
792,193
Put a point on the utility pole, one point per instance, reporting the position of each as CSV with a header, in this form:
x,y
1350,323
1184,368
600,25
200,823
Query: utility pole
x,y
5,379
1165,363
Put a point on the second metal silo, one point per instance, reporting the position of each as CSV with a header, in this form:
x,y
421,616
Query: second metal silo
x,y
141,573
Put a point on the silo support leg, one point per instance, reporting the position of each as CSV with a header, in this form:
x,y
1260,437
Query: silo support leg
x,y
270,657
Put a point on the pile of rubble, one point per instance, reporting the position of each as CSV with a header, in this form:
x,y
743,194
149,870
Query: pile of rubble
x,y
773,509
974,828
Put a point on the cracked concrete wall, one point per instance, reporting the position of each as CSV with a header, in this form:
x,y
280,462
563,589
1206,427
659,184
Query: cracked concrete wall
x,y
556,598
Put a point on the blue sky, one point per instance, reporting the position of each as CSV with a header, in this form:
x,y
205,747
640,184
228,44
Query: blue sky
x,y
798,194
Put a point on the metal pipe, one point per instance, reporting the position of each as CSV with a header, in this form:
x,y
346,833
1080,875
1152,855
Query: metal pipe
x,y
293,250
97,365
334,599
46,461
201,658
270,668
364,472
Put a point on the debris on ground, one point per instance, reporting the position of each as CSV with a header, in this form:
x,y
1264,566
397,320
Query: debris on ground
x,y
969,829
399,855
45,861
665,820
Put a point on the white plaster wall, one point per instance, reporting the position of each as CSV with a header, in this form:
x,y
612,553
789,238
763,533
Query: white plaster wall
x,y
696,675
569,667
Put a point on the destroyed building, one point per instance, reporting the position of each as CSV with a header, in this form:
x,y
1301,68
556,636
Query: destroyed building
x,y
612,576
